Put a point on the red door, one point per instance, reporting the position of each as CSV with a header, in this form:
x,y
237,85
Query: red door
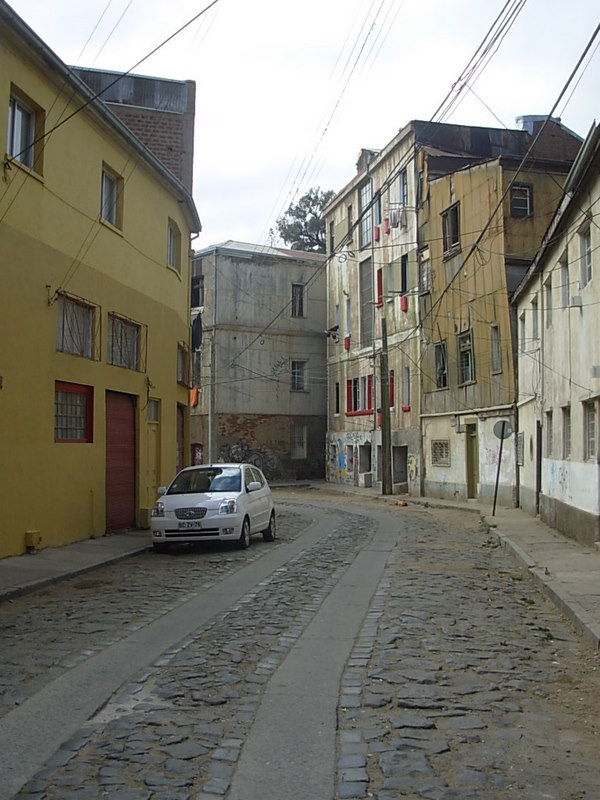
x,y
120,461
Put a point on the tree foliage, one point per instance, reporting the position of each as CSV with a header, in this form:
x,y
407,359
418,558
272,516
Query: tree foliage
x,y
302,227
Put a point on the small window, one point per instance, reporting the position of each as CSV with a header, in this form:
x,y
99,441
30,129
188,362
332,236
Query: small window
x,y
589,431
564,280
123,342
535,323
549,434
466,364
451,229
110,198
366,218
298,300
520,448
73,412
173,246
331,238
425,277
75,327
197,299
298,441
585,256
496,349
566,432
440,453
522,333
403,188
337,398
406,388
441,366
298,376
548,298
404,274
153,411
521,200
183,364
25,132
350,221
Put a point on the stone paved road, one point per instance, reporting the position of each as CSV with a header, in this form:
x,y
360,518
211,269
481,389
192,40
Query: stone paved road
x,y
462,683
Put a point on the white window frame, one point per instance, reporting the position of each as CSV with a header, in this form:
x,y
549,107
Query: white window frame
x,y
21,132
451,229
589,430
566,432
173,246
110,197
299,376
465,349
521,200
585,255
365,197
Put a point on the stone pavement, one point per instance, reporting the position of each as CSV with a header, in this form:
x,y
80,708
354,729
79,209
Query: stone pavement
x,y
567,572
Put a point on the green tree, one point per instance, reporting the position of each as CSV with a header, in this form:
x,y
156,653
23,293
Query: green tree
x,y
302,227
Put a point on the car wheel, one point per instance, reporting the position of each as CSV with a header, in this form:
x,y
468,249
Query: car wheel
x,y
270,533
160,547
244,540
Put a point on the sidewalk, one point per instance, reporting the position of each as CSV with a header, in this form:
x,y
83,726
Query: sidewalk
x,y
566,572
20,574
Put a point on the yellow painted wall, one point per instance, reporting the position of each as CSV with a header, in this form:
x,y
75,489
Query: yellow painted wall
x,y
51,239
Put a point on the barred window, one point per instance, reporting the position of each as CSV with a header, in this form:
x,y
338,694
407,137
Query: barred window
x,y
298,441
440,452
74,327
123,342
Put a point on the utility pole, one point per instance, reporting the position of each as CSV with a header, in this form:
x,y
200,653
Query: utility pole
x,y
386,439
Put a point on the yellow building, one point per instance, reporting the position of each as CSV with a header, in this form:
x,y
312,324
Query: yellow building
x,y
94,314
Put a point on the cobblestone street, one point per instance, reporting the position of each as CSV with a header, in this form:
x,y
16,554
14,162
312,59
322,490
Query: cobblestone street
x,y
462,681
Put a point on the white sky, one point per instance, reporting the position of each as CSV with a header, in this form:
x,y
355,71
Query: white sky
x,y
286,98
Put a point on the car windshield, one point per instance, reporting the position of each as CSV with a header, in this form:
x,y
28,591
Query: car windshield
x,y
207,479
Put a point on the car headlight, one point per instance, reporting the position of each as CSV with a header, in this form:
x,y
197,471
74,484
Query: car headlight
x,y
158,509
228,507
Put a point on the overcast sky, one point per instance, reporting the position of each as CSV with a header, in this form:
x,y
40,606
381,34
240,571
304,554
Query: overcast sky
x,y
287,93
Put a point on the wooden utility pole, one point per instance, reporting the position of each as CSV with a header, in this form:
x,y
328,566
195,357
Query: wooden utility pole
x,y
386,438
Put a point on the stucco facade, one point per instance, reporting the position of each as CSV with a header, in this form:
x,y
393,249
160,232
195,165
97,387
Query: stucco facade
x,y
559,362
260,369
95,308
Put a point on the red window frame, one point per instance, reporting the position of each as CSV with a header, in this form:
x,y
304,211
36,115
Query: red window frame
x,y
88,392
361,412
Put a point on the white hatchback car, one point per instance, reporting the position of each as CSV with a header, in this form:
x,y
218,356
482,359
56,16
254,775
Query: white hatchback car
x,y
216,502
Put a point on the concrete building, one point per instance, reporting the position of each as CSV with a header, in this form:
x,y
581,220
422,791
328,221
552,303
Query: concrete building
x,y
559,361
260,373
94,320
387,269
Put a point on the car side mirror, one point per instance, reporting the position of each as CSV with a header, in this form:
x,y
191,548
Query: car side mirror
x,y
253,486
162,490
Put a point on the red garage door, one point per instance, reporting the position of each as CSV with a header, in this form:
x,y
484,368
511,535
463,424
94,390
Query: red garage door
x,y
120,461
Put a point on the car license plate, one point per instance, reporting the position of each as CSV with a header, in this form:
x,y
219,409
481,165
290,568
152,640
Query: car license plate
x,y
187,526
